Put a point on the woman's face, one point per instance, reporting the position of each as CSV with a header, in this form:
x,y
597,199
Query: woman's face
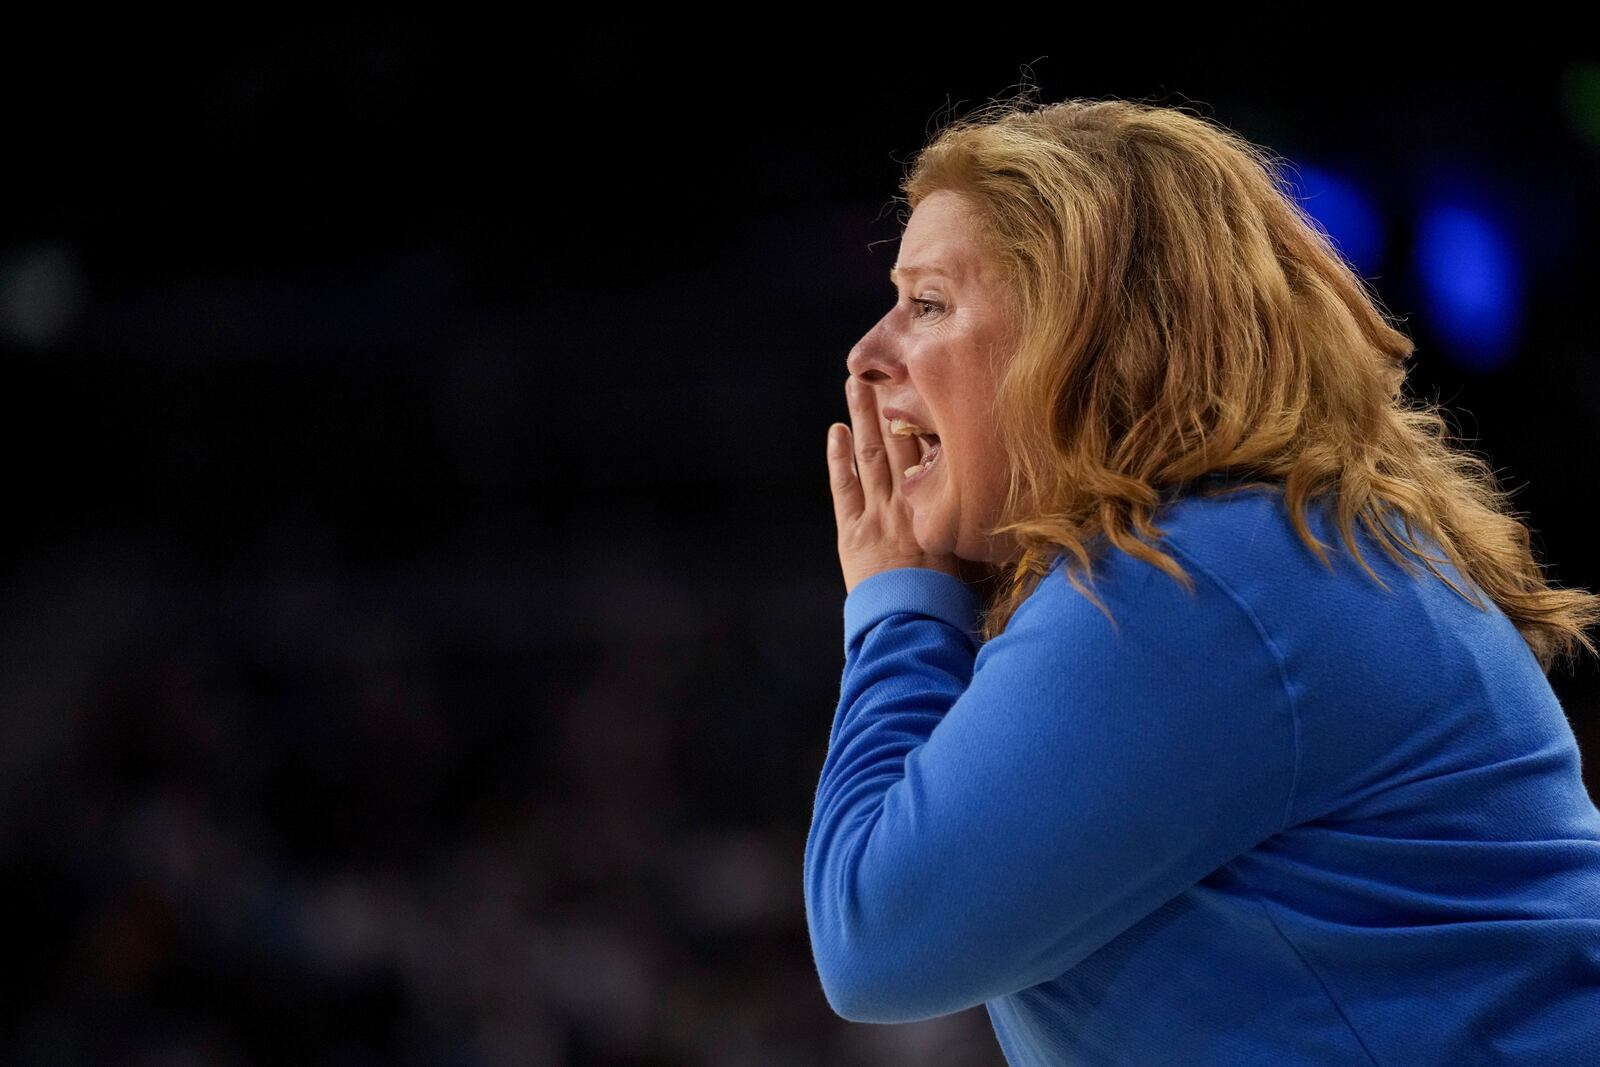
x,y
935,356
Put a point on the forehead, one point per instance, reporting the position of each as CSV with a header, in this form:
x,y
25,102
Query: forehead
x,y
937,239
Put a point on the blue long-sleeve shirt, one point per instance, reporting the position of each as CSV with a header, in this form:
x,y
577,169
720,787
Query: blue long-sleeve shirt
x,y
1290,819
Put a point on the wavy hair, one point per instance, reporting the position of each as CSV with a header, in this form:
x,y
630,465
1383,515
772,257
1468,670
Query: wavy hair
x,y
1178,315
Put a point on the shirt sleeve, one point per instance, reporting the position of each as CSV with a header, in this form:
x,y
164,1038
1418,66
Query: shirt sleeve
x,y
987,817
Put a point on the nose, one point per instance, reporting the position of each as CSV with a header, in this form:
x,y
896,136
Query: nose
x,y
872,359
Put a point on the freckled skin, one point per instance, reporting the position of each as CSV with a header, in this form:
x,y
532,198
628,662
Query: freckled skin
x,y
941,362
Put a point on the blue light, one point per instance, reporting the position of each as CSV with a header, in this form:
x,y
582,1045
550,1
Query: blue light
x,y
1471,283
1349,215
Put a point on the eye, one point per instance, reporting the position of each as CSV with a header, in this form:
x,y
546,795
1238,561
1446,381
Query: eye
x,y
934,304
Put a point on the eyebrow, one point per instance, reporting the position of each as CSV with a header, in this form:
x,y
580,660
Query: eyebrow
x,y
930,268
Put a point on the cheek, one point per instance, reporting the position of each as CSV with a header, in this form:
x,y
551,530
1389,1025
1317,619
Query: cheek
x,y
972,477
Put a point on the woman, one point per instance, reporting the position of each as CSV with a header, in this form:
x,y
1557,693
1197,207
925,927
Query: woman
x,y
1220,792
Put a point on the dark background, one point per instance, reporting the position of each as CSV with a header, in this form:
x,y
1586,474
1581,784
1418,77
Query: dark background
x,y
421,618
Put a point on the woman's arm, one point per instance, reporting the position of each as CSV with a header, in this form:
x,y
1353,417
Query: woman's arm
x,y
987,818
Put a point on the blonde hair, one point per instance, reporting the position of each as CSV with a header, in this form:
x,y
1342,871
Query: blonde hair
x,y
1178,314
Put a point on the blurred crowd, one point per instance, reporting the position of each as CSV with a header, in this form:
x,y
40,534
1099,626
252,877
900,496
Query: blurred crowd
x,y
302,822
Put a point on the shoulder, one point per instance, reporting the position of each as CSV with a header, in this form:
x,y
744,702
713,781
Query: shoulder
x,y
1216,529
1250,566
1196,665
1235,548
1242,548
1248,542
1212,539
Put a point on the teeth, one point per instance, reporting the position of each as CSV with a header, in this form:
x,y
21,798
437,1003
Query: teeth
x,y
905,428
927,452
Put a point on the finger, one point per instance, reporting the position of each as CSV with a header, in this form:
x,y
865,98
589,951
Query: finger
x,y
866,433
848,501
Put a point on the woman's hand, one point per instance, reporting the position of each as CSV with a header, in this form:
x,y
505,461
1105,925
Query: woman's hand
x,y
873,515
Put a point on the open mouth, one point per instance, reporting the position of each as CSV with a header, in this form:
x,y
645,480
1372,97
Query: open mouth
x,y
929,447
